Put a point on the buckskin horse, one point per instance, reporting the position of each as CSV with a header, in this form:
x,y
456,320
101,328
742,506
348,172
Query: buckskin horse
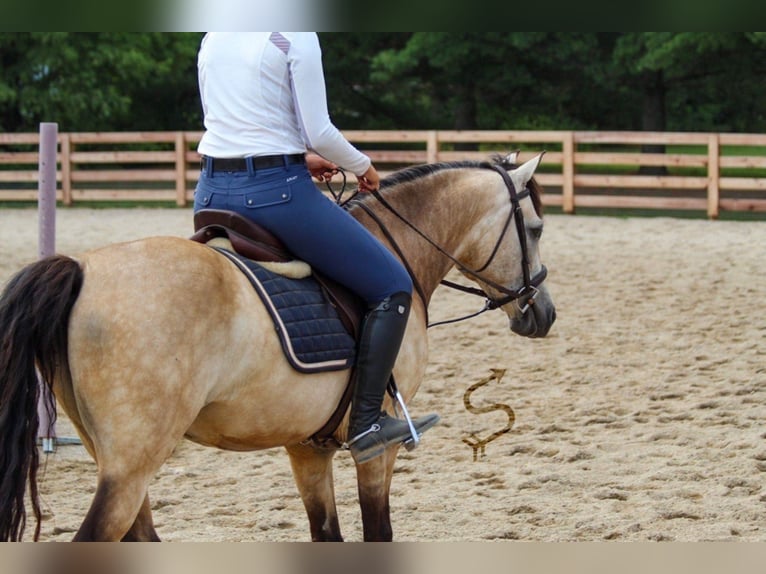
x,y
146,342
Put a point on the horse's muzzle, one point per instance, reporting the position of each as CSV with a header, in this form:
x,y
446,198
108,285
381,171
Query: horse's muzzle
x,y
534,317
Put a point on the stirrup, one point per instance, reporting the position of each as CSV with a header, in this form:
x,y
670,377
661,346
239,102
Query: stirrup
x,y
414,440
387,431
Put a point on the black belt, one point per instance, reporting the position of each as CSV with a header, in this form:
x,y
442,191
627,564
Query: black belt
x,y
253,162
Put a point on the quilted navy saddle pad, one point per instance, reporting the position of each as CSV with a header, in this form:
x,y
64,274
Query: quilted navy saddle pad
x,y
312,336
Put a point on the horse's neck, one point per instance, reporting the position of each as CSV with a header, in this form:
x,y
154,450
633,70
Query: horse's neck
x,y
446,207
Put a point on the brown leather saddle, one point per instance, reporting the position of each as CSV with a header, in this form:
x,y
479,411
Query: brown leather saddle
x,y
254,242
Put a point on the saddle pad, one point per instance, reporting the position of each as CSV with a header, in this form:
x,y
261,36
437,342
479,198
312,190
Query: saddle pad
x,y
312,336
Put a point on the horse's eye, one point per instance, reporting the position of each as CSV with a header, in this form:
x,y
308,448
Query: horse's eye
x,y
536,232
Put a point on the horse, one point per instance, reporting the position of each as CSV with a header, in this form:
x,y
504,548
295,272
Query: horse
x,y
147,342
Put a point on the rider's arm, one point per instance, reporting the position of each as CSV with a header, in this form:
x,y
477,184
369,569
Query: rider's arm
x,y
305,61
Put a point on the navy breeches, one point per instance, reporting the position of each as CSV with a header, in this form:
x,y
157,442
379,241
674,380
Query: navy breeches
x,y
286,201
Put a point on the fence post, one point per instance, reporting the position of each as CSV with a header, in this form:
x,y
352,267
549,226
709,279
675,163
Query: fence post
x,y
432,147
567,172
180,169
46,213
713,176
66,169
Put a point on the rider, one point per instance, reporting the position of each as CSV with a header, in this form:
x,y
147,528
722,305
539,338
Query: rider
x,y
264,103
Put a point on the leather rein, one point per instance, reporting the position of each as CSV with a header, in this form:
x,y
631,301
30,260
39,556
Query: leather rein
x,y
527,292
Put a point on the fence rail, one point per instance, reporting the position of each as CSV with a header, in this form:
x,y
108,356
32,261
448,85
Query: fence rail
x,y
710,172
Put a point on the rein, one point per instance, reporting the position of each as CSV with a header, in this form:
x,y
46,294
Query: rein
x,y
527,291
338,196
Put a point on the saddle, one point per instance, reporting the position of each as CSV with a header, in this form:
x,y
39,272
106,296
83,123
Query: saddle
x,y
257,244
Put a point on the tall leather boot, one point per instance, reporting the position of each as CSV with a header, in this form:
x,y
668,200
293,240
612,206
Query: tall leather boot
x,y
371,430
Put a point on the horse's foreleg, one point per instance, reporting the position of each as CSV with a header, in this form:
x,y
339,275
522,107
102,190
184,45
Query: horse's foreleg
x,y
143,526
374,484
312,470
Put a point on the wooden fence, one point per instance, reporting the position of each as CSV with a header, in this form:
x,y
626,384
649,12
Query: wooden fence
x,y
709,172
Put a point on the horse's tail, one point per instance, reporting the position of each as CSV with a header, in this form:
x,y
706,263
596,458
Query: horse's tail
x,y
34,318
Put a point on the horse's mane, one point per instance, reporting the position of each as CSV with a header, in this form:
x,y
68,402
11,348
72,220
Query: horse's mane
x,y
414,173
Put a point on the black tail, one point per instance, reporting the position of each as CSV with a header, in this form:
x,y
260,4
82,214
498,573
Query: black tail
x,y
34,319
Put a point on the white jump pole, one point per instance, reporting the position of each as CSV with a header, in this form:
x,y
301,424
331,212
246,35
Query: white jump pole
x,y
46,211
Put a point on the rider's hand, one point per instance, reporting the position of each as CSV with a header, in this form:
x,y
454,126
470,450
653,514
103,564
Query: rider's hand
x,y
370,181
320,168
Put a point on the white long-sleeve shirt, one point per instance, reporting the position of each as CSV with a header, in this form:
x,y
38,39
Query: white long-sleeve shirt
x,y
263,93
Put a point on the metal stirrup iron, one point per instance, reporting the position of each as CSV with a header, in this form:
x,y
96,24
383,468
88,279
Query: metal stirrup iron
x,y
411,443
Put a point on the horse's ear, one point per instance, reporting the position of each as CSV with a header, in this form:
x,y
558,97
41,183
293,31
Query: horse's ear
x,y
512,158
524,173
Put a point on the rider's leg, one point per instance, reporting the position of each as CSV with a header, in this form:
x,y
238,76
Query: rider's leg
x,y
370,430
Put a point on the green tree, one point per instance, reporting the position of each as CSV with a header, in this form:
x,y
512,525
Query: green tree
x,y
355,99
97,81
697,81
495,80
545,80
168,97
692,81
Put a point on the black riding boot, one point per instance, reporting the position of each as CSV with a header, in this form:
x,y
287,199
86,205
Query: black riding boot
x,y
370,430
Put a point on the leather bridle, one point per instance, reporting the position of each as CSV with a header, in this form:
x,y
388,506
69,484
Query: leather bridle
x,y
525,294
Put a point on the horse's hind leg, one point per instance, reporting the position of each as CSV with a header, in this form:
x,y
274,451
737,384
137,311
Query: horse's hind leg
x,y
374,484
126,461
312,470
143,526
115,508
142,529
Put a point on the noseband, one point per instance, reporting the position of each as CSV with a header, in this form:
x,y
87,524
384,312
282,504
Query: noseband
x,y
527,292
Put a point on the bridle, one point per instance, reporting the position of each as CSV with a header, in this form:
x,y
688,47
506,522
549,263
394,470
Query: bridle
x,y
526,293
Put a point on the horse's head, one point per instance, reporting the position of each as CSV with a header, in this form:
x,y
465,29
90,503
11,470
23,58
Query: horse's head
x,y
513,274
485,219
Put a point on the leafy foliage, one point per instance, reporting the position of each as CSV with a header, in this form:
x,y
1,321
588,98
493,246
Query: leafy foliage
x,y
97,81
692,81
